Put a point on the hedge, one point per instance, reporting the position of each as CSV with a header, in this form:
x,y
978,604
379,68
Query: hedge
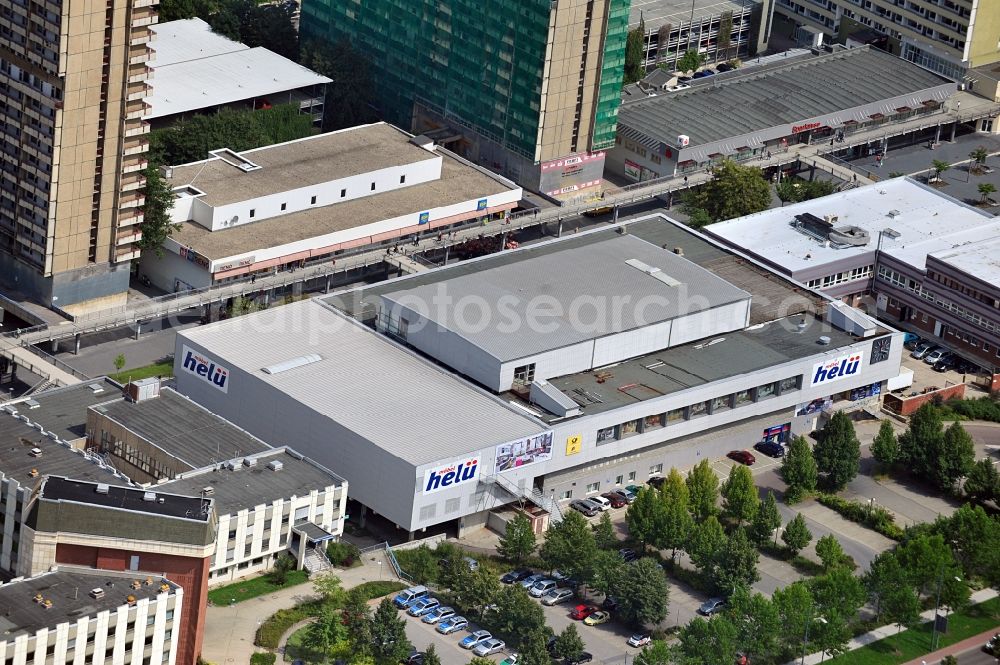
x,y
980,408
263,658
874,517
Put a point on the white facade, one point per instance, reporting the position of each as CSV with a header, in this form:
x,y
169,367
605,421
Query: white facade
x,y
135,633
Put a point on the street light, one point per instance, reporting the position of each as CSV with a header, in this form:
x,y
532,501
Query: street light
x,y
805,638
937,605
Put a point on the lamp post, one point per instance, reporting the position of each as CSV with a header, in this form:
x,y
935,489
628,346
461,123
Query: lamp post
x,y
805,638
937,606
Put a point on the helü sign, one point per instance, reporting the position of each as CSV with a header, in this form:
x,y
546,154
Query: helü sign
x,y
835,369
450,475
207,370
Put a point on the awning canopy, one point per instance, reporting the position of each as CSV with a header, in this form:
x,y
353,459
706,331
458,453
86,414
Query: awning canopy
x,y
313,532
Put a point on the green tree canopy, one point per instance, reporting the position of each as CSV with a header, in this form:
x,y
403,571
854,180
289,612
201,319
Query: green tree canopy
x,y
156,224
890,591
975,539
569,546
356,616
389,644
635,45
838,452
518,542
657,653
758,624
740,500
351,93
736,564
703,491
643,594
533,649
920,443
517,614
707,540
885,447
690,61
604,533
766,521
569,644
796,535
798,470
734,191
956,457
830,552
674,529
644,515
983,482
796,609
710,642
266,25
607,572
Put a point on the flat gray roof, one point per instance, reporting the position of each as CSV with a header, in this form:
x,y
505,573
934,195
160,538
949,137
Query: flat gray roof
x,y
981,259
765,97
247,487
459,183
360,377
183,429
676,12
69,590
695,364
63,411
609,268
146,501
309,161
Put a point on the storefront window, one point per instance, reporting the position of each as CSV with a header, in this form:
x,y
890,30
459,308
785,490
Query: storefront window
x,y
653,422
698,409
606,434
789,384
768,390
675,415
629,428
744,397
720,404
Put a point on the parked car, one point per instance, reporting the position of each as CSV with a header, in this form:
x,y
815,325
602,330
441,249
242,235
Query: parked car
x,y
770,448
656,481
509,660
438,614
627,494
910,341
922,349
935,355
586,507
597,212
742,456
581,612
472,639
452,625
700,75
724,67
488,647
584,657
597,618
600,502
616,500
711,606
407,597
542,587
423,606
516,575
992,645
416,658
627,555
557,596
963,366
530,580
639,640
946,363
610,603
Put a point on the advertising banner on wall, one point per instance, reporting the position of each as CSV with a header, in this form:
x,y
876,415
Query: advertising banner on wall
x,y
451,474
836,369
204,368
864,392
632,170
814,406
574,444
778,433
523,452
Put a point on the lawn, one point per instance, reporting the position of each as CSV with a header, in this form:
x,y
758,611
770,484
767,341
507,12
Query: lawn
x,y
164,369
253,587
295,651
915,642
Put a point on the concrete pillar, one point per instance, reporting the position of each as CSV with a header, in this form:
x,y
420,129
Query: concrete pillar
x,y
138,329
954,126
559,229
328,279
937,134
55,346
76,344
812,172
614,213
503,240
362,515
447,248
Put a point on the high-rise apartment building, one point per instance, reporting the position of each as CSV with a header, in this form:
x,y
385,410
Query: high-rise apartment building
x,y
529,88
72,81
946,36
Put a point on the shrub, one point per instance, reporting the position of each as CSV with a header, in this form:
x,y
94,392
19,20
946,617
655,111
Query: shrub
x,y
275,626
378,588
261,658
980,408
874,517
343,554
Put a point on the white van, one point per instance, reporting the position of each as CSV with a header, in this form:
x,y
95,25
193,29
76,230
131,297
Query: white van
x,y
406,597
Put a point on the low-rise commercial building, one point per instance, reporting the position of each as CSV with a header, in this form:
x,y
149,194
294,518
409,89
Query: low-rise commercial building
x,y
308,201
925,256
746,115
551,372
200,71
76,615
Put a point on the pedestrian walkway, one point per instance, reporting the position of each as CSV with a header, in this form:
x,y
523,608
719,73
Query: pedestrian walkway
x,y
230,630
888,631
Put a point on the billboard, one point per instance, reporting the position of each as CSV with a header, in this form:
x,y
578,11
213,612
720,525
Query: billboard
x,y
815,406
777,433
835,369
451,474
205,369
632,170
523,452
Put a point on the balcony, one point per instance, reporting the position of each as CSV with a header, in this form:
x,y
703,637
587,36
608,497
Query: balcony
x,y
131,166
132,129
135,147
144,15
140,35
130,217
137,91
134,200
128,236
126,253
132,183
139,55
139,73
136,110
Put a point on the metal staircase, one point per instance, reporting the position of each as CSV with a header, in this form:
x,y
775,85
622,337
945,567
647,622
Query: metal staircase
x,y
315,561
533,495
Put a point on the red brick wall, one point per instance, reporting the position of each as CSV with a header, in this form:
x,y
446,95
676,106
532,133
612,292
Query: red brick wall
x,y
906,406
188,572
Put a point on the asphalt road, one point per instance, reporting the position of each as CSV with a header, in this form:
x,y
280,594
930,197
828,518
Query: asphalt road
x,y
976,656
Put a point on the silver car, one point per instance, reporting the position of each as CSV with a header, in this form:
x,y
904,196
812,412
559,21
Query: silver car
x,y
489,647
557,596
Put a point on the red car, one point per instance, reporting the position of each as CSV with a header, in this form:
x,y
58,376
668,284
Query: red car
x,y
742,456
616,499
581,612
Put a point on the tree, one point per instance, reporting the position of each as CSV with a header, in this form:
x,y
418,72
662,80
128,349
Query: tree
x,y
350,95
282,565
604,533
662,39
975,539
736,564
569,645
703,491
518,541
708,642
725,37
985,189
329,587
982,482
740,500
796,535
690,61
389,644
477,660
939,167
607,572
156,224
707,540
838,595
431,656
476,589
266,25
757,622
533,649
830,552
734,191
657,652
794,190
241,306
356,616
927,558
796,609
675,524
979,156
325,631
838,452
957,455
119,362
421,565
644,515
888,588
798,470
173,10
635,47
643,594
885,447
697,217
766,521
516,614
919,444
569,546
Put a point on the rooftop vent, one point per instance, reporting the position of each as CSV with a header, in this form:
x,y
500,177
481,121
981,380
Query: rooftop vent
x,y
130,599
679,251
149,496
292,363
824,340
234,465
35,452
276,465
33,473
849,236
96,388
653,272
97,593
895,214
249,461
102,488
208,490
31,404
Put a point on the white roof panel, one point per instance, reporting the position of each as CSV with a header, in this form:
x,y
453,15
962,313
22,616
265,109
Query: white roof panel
x,y
189,39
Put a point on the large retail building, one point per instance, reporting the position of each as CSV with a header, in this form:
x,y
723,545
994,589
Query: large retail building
x,y
551,372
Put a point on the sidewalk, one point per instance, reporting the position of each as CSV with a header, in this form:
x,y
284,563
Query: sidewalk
x,y
958,647
888,631
230,630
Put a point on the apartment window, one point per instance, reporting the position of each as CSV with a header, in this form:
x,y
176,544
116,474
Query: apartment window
x,y
720,404
698,409
593,487
743,397
232,535
766,391
629,428
568,494
524,374
427,512
373,186
789,384
619,479
606,434
631,476
675,416
655,469
402,180
253,211
653,422
452,505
